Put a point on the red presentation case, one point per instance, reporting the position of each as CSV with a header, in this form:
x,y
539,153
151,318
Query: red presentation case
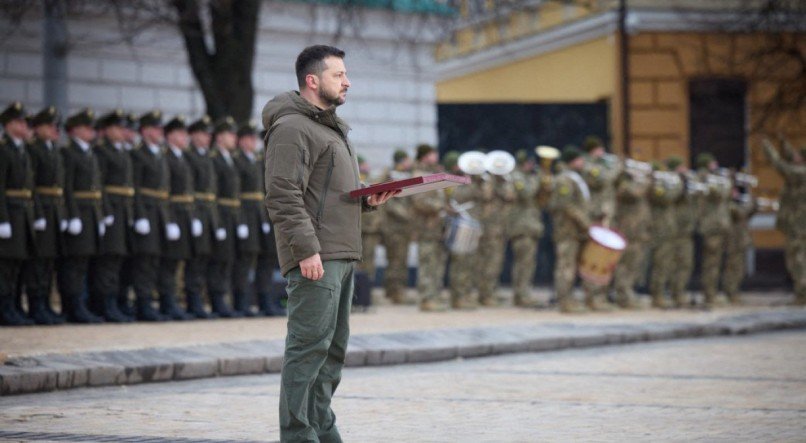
x,y
414,185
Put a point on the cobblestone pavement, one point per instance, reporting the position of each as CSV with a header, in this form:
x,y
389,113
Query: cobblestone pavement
x,y
747,388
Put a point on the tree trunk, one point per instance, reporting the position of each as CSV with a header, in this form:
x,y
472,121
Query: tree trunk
x,y
224,73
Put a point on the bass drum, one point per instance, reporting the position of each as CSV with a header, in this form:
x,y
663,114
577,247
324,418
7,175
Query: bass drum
x,y
462,235
601,255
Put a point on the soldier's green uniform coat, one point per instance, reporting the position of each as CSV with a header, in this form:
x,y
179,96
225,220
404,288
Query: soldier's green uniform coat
x,y
524,228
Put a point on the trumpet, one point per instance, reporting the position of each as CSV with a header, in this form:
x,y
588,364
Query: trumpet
x,y
694,186
745,180
640,171
768,204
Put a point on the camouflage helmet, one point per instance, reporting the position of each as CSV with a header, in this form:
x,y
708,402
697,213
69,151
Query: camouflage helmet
x,y
673,162
592,142
450,160
399,156
704,159
570,153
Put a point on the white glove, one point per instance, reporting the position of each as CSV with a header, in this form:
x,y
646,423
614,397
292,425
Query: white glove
x,y
142,226
266,228
172,231
74,227
109,220
40,224
220,234
63,225
243,232
101,229
5,230
196,227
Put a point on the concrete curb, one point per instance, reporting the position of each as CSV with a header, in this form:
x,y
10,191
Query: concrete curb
x,y
109,368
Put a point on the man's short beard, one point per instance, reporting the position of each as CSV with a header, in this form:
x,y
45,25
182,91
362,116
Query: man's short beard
x,y
330,101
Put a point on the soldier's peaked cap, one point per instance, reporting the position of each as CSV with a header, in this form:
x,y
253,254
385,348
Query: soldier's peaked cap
x,y
225,124
13,111
113,118
204,124
247,128
152,118
175,124
84,117
47,116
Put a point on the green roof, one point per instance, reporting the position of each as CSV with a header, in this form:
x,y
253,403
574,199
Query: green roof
x,y
406,6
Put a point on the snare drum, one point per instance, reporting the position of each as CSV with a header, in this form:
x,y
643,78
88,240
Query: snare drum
x,y
462,235
601,255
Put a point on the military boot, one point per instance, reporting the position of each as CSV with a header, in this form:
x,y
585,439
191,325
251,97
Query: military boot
x,y
524,301
681,301
38,311
489,301
195,307
221,309
171,310
735,299
77,311
464,304
242,305
277,303
571,306
10,316
599,304
146,312
660,302
430,305
110,311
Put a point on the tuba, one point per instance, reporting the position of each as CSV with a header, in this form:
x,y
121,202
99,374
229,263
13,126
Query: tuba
x,y
499,163
547,155
472,163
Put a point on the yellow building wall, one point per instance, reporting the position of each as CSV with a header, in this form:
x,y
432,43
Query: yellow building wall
x,y
582,73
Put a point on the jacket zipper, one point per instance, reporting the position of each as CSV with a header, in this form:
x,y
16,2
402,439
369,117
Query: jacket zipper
x,y
330,168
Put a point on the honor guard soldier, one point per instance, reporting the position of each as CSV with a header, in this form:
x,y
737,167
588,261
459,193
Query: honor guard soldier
x,y
569,206
16,212
252,215
125,305
181,211
46,163
154,230
230,228
396,231
115,165
85,227
197,276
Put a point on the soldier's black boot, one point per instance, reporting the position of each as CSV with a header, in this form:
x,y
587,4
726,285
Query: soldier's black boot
x,y
146,312
170,309
195,307
9,316
263,305
112,313
39,312
220,307
78,312
242,304
124,305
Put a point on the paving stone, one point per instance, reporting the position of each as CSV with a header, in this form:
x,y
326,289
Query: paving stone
x,y
16,380
423,355
69,373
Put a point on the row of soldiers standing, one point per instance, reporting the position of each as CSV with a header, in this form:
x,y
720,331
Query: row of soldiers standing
x,y
108,213
658,208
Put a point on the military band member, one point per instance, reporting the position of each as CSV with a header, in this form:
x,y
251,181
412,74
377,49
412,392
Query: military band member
x,y
492,244
231,227
153,226
791,214
85,227
524,228
427,209
714,224
46,163
196,275
397,232
742,207
686,213
633,219
115,166
569,206
666,189
181,211
16,212
250,172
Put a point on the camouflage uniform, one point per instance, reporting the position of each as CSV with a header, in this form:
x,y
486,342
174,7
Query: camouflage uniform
x,y
738,240
714,225
569,207
427,209
492,244
633,220
685,213
395,228
464,267
662,196
789,219
524,228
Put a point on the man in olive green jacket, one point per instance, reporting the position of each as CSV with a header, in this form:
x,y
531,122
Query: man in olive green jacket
x,y
310,170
